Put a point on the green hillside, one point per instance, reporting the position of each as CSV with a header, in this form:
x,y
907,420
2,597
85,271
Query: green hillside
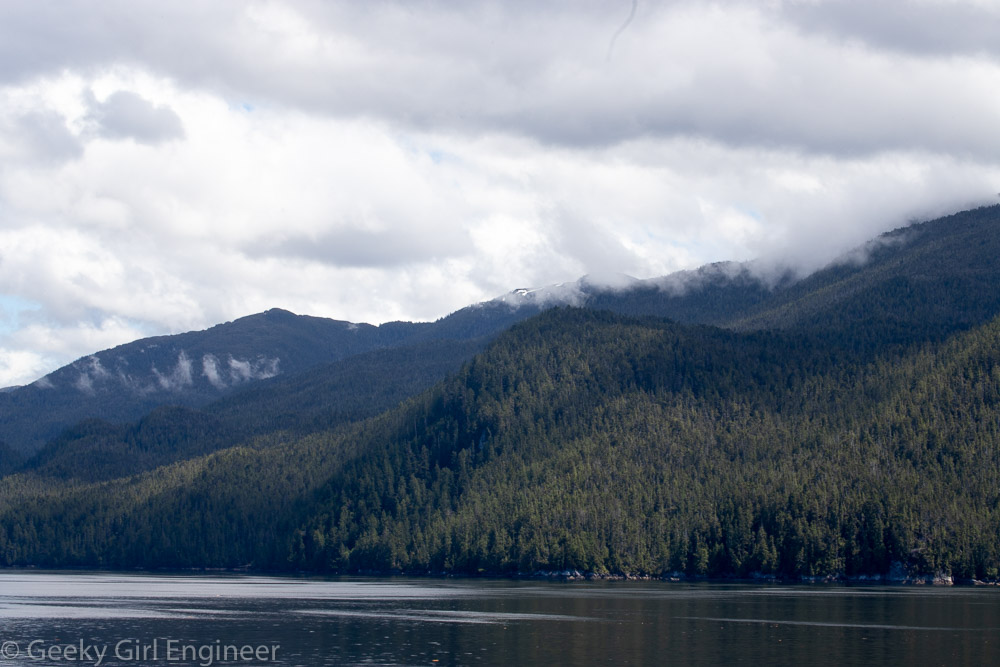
x,y
850,423
587,441
604,445
319,399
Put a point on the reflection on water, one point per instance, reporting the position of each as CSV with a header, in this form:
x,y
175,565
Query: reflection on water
x,y
50,618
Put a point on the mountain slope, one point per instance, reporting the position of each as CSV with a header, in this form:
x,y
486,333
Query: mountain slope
x,y
622,446
188,369
921,281
323,398
926,280
841,424
193,369
589,441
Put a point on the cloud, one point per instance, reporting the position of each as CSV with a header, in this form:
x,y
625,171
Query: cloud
x,y
380,161
21,366
40,346
824,77
37,138
126,115
210,369
373,243
921,27
237,370
179,378
241,370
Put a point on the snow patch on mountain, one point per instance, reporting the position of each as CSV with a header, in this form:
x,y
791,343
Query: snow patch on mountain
x,y
553,295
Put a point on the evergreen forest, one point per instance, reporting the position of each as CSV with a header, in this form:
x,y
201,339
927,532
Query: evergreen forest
x,y
844,424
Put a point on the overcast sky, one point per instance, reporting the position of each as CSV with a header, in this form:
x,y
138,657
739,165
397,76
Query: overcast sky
x,y
165,166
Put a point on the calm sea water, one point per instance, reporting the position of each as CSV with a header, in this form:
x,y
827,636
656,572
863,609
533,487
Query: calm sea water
x,y
116,619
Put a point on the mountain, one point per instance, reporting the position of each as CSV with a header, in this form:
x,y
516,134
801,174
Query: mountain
x,y
911,268
599,443
844,424
187,369
322,398
196,368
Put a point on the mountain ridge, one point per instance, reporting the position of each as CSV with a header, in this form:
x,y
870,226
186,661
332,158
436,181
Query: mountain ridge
x,y
849,429
195,368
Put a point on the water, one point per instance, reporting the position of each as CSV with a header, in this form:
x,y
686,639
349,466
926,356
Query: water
x,y
121,619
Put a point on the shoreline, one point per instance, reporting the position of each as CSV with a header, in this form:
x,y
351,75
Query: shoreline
x,y
894,578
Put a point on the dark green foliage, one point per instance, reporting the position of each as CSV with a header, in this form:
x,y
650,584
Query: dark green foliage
x,y
126,382
317,400
841,425
10,460
95,450
637,447
360,386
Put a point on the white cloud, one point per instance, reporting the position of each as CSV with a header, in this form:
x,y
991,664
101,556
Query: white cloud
x,y
128,115
379,161
38,347
21,366
210,369
179,377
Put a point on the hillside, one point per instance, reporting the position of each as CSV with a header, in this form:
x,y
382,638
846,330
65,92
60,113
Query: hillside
x,y
838,425
188,369
593,442
608,445
322,398
196,368
920,282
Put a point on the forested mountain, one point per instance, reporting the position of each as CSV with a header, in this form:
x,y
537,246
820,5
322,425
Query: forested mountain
x,y
936,276
319,399
193,369
188,369
943,268
834,425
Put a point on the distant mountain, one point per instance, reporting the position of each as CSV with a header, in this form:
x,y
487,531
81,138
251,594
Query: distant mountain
x,y
196,368
188,369
844,424
193,369
322,398
928,279
920,282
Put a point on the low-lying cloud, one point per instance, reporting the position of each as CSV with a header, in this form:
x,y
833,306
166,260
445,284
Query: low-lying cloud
x,y
179,377
237,371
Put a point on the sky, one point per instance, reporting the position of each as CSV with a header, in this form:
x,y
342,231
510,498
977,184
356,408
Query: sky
x,y
166,166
